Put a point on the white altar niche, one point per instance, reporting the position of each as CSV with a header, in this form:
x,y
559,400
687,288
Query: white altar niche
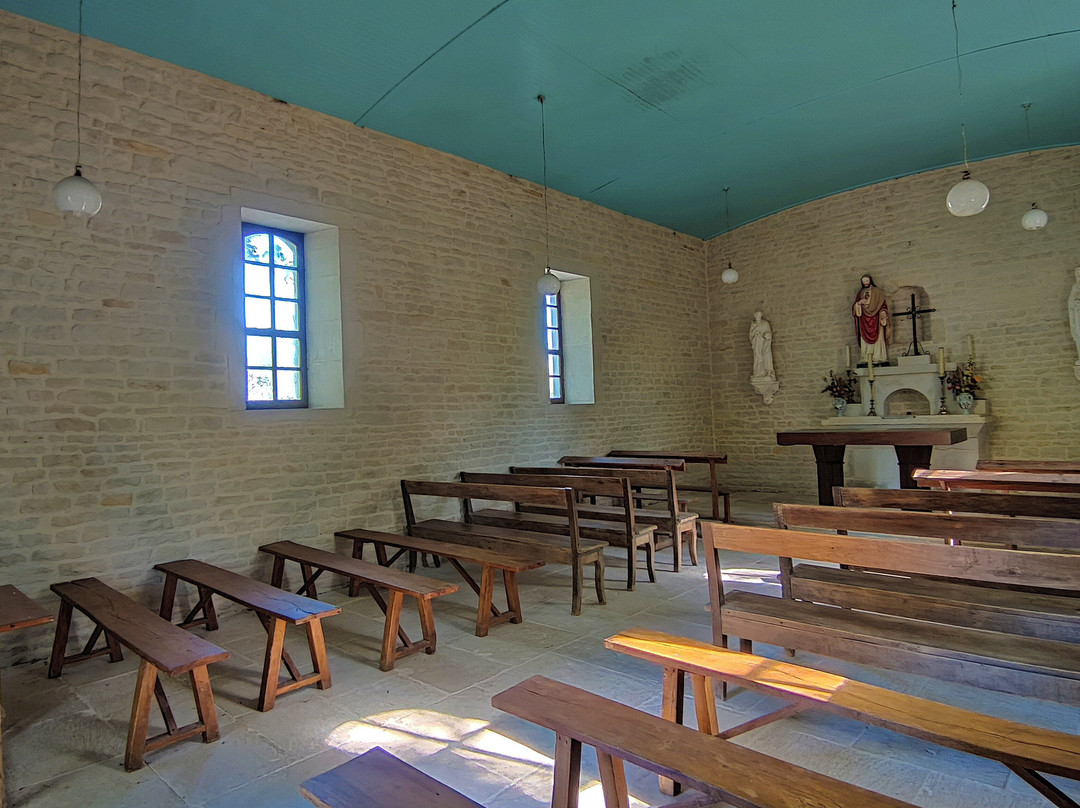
x,y
908,394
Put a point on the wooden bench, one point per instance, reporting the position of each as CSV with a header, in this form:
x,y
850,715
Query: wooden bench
x,y
1010,531
640,463
313,562
916,499
673,526
490,561
377,779
615,525
713,488
162,649
1029,751
274,608
570,549
890,623
714,766
1047,482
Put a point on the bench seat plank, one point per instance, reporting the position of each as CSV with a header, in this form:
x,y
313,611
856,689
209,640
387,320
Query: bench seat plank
x,y
1034,667
18,611
371,575
490,561
377,779
709,764
544,546
1049,617
1000,739
161,647
274,607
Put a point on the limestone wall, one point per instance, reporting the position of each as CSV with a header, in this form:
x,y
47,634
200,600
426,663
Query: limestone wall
x,y
124,443
985,275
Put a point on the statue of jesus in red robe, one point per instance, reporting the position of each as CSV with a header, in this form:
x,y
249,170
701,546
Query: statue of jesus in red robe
x,y
871,313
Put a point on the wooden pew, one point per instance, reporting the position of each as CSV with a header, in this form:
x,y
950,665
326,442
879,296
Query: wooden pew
x,y
274,608
672,523
1029,751
571,549
313,562
377,779
952,479
490,561
642,463
920,499
614,525
716,767
711,460
162,649
898,630
1039,466
1011,531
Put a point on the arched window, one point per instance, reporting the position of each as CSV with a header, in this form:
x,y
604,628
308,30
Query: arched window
x,y
274,318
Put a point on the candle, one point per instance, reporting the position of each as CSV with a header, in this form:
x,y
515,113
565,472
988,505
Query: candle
x,y
971,347
847,355
870,370
941,361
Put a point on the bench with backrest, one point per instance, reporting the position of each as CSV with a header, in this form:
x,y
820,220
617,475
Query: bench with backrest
x,y
952,479
162,648
313,562
713,486
1029,751
377,779
673,526
275,610
1072,466
616,526
642,463
490,562
572,548
920,499
619,733
890,622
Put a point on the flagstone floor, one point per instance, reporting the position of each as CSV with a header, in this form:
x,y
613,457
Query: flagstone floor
x,y
64,739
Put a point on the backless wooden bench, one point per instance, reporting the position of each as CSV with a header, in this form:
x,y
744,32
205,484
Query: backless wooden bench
x,y
1026,750
721,769
490,562
313,562
274,608
162,648
377,779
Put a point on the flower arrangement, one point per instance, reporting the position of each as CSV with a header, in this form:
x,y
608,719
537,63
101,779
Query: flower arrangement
x,y
840,386
963,379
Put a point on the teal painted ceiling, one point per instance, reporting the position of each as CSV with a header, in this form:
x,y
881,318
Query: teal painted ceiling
x,y
653,106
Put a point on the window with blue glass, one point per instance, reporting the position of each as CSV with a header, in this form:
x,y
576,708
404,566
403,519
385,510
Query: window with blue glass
x,y
553,342
274,318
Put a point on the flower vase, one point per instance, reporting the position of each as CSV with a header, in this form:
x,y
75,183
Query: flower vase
x,y
966,401
840,404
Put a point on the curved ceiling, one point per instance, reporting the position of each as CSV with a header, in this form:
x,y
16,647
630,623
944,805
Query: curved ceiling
x,y
653,108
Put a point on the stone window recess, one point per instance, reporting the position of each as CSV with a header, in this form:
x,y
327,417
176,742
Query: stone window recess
x,y
575,342
299,368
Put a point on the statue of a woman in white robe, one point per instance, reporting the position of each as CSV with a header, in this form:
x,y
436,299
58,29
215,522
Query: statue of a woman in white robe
x,y
761,342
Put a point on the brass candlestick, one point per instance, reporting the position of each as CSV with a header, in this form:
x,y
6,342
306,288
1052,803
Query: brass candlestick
x,y
942,410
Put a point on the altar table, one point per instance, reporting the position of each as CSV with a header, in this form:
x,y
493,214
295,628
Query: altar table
x,y
16,611
913,446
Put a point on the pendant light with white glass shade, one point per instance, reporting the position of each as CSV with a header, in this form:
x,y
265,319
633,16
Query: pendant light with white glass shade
x,y
1034,219
76,194
548,283
968,196
729,275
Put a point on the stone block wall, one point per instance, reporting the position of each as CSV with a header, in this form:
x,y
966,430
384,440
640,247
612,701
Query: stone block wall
x,y
125,441
985,275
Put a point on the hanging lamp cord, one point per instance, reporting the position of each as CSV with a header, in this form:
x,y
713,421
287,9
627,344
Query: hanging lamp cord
x,y
960,85
543,152
78,97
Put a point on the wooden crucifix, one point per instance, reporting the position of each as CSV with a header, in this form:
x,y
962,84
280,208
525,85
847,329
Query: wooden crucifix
x,y
914,312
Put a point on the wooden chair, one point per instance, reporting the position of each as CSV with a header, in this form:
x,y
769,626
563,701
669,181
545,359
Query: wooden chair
x,y
716,767
490,561
313,562
162,648
1028,751
274,608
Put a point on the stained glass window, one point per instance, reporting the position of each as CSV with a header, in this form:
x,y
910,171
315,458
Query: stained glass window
x,y
275,346
553,346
